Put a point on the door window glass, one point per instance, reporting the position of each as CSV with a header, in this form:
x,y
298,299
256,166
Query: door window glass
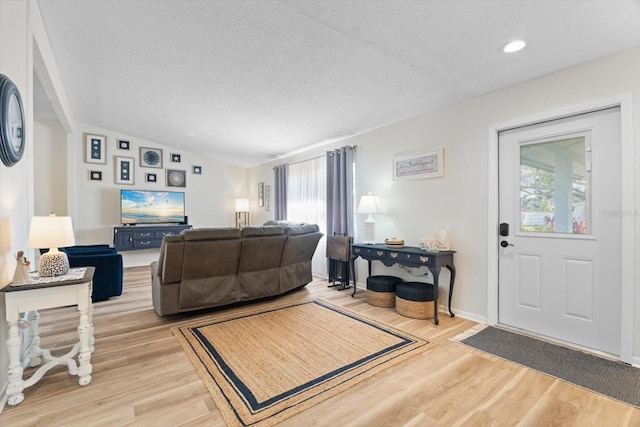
x,y
554,186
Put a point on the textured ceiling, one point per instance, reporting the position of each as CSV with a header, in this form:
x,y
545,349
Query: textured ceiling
x,y
248,81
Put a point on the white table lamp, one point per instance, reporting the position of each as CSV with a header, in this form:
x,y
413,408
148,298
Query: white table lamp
x,y
51,232
368,205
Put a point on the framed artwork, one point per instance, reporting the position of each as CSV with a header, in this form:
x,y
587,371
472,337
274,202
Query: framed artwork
x,y
197,170
175,158
95,175
150,157
150,177
261,194
418,166
267,197
124,170
95,148
123,145
176,178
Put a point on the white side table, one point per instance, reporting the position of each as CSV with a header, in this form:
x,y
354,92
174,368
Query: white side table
x,y
74,288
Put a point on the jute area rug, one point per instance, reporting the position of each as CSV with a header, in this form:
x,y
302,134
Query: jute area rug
x,y
268,365
604,376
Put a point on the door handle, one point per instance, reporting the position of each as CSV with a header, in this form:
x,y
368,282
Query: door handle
x,y
504,244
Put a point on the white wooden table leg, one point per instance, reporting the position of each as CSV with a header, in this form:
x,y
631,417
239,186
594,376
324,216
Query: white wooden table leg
x,y
15,384
34,348
85,333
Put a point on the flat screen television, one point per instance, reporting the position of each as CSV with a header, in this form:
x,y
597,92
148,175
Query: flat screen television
x,y
151,207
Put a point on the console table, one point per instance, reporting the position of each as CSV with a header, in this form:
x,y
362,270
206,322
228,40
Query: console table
x,y
137,237
74,288
411,257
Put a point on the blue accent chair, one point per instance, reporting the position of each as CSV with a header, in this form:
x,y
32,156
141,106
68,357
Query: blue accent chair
x,y
107,279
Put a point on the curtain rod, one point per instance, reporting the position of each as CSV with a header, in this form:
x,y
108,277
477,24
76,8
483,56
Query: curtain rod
x,y
352,147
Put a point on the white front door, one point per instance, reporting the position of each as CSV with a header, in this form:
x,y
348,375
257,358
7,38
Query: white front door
x,y
560,229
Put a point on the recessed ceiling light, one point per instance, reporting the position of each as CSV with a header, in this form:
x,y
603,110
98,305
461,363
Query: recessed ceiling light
x,y
514,46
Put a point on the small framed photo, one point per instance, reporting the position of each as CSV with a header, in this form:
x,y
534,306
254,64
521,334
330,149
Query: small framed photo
x,y
95,175
176,178
124,170
123,145
197,170
150,157
150,177
418,166
95,148
175,158
261,194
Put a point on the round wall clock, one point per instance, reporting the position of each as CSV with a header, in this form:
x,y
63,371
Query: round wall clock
x,y
12,126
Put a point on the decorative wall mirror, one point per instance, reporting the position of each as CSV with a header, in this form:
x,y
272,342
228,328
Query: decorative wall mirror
x,y
12,126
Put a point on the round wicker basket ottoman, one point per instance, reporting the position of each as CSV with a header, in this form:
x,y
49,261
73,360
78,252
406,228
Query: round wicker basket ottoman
x,y
415,300
381,290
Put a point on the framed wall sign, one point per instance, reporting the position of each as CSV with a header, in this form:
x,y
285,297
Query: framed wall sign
x,y
124,170
151,177
175,158
418,166
123,145
197,170
95,175
150,157
95,148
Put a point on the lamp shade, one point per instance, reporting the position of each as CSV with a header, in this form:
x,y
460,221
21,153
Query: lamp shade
x,y
242,205
50,232
368,204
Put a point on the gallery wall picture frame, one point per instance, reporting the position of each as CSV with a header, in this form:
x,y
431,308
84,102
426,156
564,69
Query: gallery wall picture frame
x,y
124,170
261,194
176,178
150,157
197,170
418,166
150,177
95,175
267,197
95,148
123,144
176,158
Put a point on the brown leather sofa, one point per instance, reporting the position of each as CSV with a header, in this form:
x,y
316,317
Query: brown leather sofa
x,y
203,268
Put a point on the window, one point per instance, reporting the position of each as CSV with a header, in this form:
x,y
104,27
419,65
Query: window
x,y
554,186
306,201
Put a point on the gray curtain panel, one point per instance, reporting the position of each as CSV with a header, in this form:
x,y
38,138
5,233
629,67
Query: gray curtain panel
x,y
281,174
340,191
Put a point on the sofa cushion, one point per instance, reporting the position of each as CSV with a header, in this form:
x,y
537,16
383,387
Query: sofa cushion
x,y
210,234
295,230
282,223
262,231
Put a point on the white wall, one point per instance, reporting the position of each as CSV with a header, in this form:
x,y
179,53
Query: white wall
x,y
50,160
16,185
95,205
459,200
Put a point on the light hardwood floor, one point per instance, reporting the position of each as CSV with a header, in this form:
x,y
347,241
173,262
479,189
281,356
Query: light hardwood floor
x,y
142,377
